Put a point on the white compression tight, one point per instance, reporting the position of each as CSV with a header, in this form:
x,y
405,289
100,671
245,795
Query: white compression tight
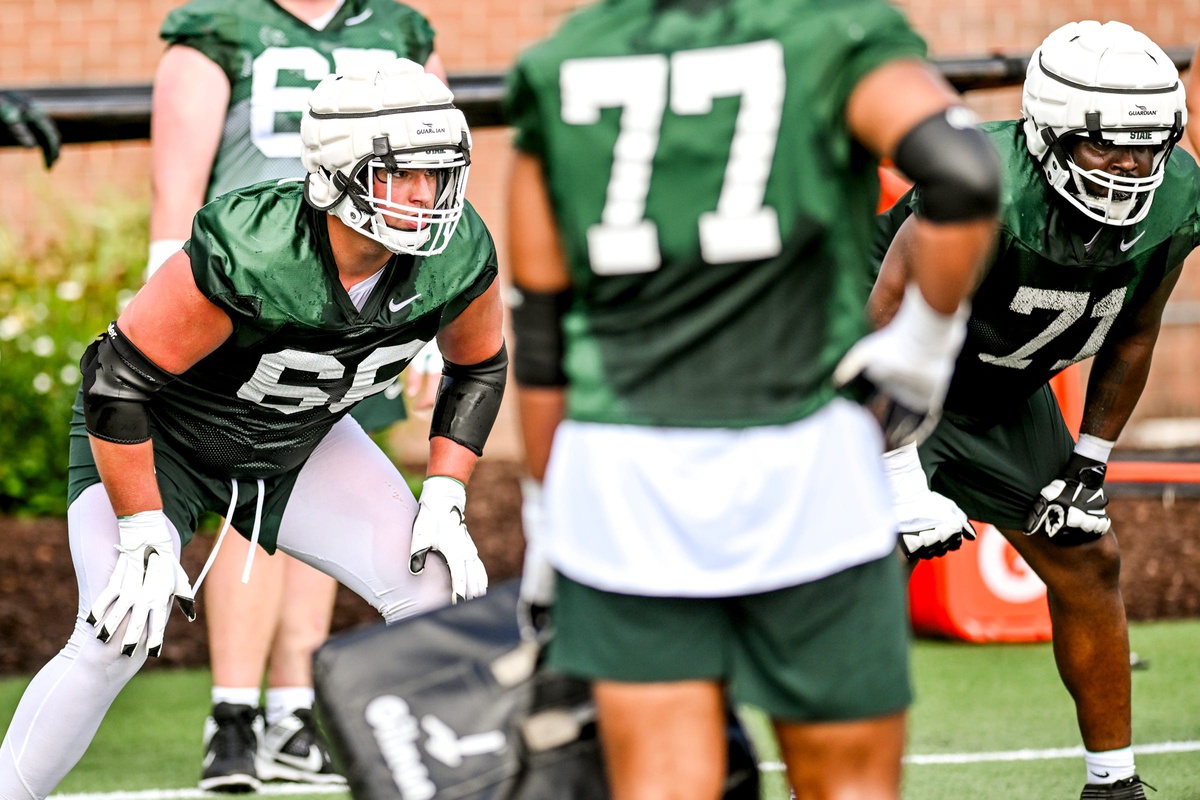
x,y
350,515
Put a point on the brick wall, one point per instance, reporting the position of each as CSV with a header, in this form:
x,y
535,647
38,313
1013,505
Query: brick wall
x,y
51,42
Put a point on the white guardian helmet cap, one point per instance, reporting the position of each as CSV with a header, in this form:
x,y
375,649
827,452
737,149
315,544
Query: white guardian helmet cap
x,y
1108,83
386,121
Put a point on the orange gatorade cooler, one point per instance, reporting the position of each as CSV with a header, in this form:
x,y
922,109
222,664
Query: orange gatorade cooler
x,y
983,592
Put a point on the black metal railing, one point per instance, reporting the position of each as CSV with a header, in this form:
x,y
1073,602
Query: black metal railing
x,y
122,112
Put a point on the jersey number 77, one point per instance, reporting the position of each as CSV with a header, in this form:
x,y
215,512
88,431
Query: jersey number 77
x,y
644,87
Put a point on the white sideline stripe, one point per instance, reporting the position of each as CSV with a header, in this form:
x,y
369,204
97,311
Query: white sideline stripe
x,y
1040,755
766,766
1017,755
200,794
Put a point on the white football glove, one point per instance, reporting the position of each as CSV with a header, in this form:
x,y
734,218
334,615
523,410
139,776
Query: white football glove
x,y
905,367
930,524
536,594
145,579
439,527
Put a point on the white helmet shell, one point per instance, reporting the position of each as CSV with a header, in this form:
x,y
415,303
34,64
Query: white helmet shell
x,y
394,118
1106,82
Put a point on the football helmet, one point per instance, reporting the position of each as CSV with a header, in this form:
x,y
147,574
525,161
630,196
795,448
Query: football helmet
x,y
362,129
1109,83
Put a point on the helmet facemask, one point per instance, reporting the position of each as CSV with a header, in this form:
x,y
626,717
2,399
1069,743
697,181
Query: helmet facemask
x,y
1112,85
1105,197
364,137
367,204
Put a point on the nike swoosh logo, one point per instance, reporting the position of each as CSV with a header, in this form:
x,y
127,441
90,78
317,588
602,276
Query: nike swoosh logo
x,y
312,762
359,18
1100,774
393,306
1126,245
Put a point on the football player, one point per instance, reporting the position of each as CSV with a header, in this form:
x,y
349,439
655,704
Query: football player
x,y
692,209
1100,209
225,385
228,96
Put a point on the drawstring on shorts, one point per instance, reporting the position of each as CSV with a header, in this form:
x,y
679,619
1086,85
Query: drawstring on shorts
x,y
254,534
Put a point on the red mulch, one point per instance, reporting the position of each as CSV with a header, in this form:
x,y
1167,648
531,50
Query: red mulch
x,y
1160,574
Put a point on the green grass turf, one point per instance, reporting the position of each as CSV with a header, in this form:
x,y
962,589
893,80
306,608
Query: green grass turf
x,y
970,699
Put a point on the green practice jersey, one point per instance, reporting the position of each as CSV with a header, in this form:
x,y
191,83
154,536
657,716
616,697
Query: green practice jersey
x,y
1050,298
300,354
273,60
715,212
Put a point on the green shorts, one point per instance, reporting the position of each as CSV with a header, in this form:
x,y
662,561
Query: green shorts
x,y
833,649
995,473
186,493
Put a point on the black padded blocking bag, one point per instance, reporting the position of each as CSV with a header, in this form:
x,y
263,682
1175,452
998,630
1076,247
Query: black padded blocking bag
x,y
451,704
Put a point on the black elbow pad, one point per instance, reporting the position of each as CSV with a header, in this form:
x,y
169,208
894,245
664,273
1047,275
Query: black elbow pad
x,y
954,167
117,381
468,401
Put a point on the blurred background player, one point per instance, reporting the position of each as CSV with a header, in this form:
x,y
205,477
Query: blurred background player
x,y
691,213
200,397
1099,213
228,96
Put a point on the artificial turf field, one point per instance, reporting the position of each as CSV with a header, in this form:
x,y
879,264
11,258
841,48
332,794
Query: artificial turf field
x,y
990,721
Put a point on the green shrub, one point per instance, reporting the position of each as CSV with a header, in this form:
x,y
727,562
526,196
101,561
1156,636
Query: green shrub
x,y
54,298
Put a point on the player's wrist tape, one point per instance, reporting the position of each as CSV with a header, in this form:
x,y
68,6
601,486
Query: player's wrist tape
x,y
931,332
444,488
139,529
904,473
160,251
1094,447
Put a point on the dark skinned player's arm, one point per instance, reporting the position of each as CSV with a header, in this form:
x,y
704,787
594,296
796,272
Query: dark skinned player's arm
x,y
894,272
1122,365
174,326
886,107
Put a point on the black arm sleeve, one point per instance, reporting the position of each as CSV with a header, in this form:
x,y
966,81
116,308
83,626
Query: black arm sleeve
x,y
468,401
538,336
117,382
955,167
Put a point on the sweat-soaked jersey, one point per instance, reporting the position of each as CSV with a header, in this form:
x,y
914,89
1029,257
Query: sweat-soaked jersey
x,y
300,354
273,60
1048,300
715,212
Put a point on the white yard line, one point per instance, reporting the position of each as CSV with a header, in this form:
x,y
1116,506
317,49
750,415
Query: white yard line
x,y
198,794
1018,755
767,766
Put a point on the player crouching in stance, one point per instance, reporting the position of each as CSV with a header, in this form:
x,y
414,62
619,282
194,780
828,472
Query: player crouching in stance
x,y
1099,212
226,383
